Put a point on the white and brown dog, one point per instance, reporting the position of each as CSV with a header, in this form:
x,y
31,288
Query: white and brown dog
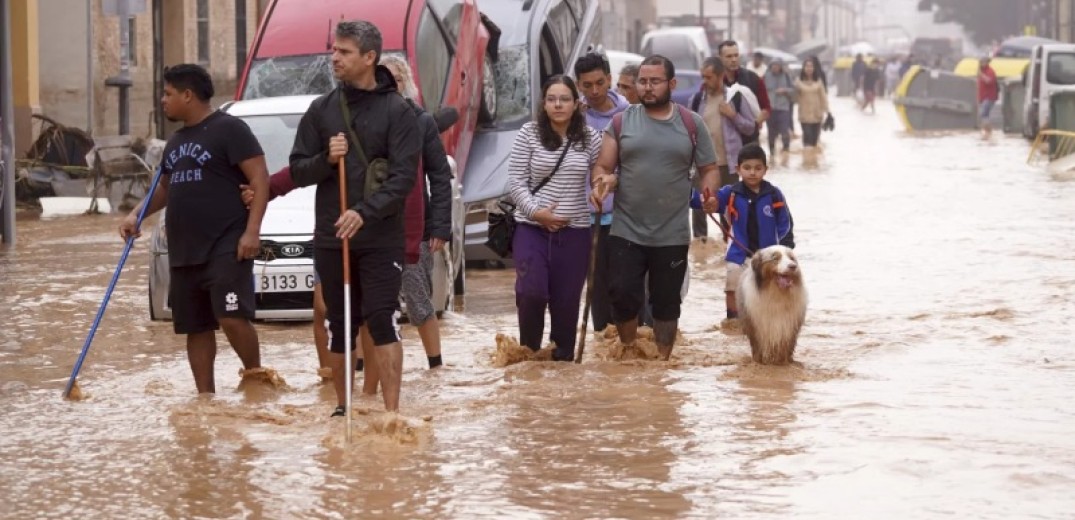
x,y
772,304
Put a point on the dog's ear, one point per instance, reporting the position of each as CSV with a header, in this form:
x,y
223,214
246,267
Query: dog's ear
x,y
755,265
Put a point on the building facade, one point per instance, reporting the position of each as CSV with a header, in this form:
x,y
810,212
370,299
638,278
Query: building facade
x,y
64,50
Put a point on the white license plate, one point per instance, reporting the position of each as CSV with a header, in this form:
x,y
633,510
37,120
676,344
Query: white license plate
x,y
283,282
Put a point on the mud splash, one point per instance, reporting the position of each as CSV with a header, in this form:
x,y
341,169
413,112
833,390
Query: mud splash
x,y
510,352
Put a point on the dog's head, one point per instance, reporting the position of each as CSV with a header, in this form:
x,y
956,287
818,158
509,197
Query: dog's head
x,y
776,265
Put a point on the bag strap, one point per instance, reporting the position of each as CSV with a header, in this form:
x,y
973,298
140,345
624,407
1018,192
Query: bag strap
x,y
692,128
554,168
350,128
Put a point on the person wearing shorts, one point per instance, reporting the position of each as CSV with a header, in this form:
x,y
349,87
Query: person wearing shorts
x,y
650,225
988,93
212,236
381,131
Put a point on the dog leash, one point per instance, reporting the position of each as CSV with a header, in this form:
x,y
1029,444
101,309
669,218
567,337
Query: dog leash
x,y
725,231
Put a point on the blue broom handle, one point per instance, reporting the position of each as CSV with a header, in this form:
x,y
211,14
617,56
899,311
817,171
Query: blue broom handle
x,y
111,286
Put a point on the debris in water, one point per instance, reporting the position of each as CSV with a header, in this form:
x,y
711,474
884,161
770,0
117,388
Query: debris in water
x,y
268,376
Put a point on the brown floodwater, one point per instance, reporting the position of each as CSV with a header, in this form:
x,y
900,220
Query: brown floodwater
x,y
937,379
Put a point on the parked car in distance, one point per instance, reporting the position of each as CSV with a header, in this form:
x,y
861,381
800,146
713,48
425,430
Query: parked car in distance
x,y
540,38
618,59
791,62
687,83
687,47
284,271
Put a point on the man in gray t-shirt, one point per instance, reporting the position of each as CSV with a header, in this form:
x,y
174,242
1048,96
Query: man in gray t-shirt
x,y
650,227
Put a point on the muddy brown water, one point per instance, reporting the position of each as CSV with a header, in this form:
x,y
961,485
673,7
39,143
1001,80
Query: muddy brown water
x,y
937,379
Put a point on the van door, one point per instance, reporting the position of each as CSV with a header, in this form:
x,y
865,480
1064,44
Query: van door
x,y
1030,108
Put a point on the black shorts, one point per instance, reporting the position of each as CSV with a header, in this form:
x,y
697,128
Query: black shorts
x,y
201,294
629,263
376,279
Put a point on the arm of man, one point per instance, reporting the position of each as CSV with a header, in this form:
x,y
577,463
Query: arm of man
x,y
404,148
439,176
257,177
129,226
309,156
604,180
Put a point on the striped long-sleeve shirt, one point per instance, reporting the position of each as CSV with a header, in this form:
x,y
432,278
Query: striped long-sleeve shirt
x,y
530,163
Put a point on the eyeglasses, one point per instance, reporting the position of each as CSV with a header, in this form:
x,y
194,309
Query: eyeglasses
x,y
646,82
565,100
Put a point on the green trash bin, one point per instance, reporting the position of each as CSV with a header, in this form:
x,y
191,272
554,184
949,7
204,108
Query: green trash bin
x,y
1012,96
1061,117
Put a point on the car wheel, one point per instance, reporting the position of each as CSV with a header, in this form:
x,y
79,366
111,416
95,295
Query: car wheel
x,y
487,112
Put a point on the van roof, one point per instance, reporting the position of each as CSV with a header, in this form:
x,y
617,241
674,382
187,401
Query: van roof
x,y
296,28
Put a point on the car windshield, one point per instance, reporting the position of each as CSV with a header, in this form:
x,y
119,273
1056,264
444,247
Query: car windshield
x,y
1061,68
513,84
276,133
292,75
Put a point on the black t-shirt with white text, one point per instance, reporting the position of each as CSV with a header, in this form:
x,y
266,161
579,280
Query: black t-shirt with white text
x,y
206,215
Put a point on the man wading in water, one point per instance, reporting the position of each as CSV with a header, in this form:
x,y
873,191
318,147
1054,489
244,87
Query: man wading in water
x,y
212,238
650,226
386,129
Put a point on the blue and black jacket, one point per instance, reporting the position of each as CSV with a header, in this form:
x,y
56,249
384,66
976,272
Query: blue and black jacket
x,y
759,220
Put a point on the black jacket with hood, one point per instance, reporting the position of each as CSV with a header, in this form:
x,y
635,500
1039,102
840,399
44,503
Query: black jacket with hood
x,y
387,128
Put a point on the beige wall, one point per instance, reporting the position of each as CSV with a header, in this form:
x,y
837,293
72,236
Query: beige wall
x,y
62,36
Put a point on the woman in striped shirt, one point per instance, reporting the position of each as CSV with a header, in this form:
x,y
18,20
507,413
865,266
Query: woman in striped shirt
x,y
552,241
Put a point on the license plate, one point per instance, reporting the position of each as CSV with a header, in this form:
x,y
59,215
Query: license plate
x,y
283,282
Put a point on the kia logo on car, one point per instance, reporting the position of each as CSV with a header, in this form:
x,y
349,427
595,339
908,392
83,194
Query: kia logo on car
x,y
292,250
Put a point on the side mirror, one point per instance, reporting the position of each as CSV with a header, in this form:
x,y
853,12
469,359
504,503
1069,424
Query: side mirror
x,y
445,118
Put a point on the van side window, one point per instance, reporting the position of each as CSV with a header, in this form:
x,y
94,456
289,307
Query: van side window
x,y
450,13
562,24
434,61
1060,70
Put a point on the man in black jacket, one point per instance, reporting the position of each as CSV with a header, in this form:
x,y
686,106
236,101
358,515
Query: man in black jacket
x,y
385,128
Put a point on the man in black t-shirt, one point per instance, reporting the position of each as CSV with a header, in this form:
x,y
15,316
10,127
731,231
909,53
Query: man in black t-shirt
x,y
212,237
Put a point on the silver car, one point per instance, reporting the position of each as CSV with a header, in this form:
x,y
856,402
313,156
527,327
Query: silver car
x,y
284,271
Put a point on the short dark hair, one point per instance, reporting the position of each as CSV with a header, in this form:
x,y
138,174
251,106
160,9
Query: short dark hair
x,y
590,62
657,59
366,35
714,63
188,76
726,43
758,54
752,151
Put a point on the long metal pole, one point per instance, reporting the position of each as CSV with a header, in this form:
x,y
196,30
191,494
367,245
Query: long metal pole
x,y
124,66
89,67
7,131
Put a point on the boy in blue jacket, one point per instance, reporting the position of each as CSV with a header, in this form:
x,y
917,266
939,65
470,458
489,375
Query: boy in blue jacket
x,y
758,215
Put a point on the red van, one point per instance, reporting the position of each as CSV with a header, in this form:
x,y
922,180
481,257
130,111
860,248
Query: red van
x,y
450,46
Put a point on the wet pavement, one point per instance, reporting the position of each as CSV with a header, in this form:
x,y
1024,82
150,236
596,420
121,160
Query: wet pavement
x,y
936,381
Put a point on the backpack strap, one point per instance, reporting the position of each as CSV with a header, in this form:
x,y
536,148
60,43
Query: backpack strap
x,y
692,128
696,100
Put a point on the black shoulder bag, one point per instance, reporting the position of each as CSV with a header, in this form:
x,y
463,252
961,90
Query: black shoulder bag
x,y
377,170
502,225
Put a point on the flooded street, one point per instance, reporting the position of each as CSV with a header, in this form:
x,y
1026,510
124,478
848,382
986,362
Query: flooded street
x,y
937,380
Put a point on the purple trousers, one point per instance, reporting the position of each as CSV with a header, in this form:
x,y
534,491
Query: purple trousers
x,y
550,271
